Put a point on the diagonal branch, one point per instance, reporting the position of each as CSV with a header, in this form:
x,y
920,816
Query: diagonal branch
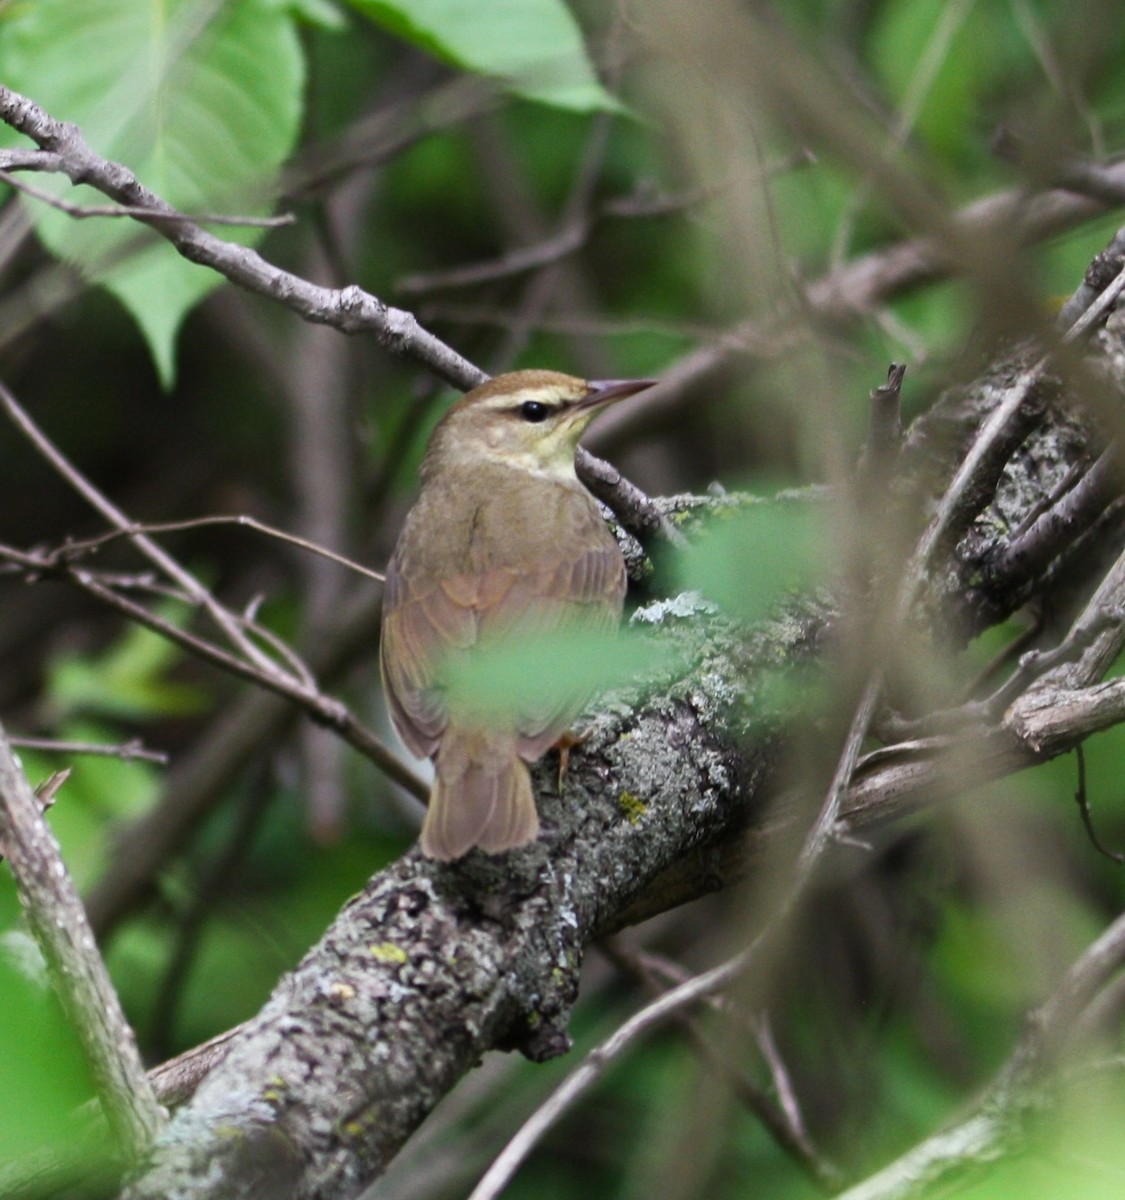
x,y
998,1121
58,921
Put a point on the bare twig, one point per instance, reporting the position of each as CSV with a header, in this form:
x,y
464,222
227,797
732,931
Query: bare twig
x,y
991,448
84,211
574,235
648,1019
637,512
1082,799
783,1120
1097,309
884,430
1030,551
349,309
572,324
30,160
998,1120
97,500
75,549
204,771
175,1081
515,262
131,751
58,921
328,711
1100,271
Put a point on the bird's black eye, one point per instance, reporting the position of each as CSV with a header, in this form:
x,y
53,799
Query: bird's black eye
x,y
534,411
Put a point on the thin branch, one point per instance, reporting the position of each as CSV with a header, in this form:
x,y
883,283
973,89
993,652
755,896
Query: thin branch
x,y
31,160
75,549
132,751
85,211
329,711
787,1098
1029,552
58,921
349,309
645,1021
97,500
1104,266
325,709
998,1120
884,430
990,450
175,1081
1082,799
1098,308
572,324
515,262
783,1121
204,772
573,235
637,512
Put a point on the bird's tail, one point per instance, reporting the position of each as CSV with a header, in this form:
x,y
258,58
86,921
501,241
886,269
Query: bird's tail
x,y
481,797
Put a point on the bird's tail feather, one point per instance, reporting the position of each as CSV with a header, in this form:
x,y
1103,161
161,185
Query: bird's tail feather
x,y
481,797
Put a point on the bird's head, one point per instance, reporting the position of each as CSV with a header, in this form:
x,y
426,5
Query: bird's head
x,y
527,419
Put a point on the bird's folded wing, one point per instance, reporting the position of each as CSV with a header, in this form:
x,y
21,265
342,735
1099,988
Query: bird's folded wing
x,y
425,633
582,595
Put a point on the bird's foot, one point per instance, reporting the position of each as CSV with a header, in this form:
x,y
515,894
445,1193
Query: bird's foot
x,y
566,743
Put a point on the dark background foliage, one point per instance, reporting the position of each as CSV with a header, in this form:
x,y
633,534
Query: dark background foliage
x,y
694,207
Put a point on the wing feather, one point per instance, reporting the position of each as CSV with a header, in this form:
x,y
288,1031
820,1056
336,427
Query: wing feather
x,y
429,622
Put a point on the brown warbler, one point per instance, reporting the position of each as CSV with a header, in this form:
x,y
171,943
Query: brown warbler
x,y
503,542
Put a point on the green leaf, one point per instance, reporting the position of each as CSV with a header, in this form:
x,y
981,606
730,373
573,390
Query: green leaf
x,y
43,1076
534,45
534,673
128,679
751,557
322,14
201,100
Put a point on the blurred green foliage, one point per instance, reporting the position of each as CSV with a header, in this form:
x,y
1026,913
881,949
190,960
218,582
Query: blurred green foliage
x,y
884,1046
43,1076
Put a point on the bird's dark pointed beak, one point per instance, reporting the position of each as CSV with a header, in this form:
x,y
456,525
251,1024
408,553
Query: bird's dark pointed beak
x,y
606,391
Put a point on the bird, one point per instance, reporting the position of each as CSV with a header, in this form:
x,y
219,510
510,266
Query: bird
x,y
503,541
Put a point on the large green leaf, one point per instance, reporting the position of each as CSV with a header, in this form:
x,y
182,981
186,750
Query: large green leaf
x,y
201,99
535,46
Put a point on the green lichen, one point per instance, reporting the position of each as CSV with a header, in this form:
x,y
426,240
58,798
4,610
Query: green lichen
x,y
632,806
388,952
